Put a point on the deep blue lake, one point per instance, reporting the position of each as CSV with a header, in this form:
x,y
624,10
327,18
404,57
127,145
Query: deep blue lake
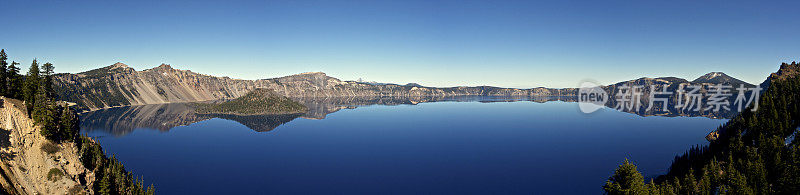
x,y
440,148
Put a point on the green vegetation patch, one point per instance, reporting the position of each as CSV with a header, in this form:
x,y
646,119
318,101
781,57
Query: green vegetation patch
x,y
50,148
257,102
54,174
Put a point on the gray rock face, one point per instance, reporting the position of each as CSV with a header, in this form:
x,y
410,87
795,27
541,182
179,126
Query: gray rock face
x,y
120,85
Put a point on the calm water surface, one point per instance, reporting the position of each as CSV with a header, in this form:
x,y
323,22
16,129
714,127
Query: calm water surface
x,y
442,147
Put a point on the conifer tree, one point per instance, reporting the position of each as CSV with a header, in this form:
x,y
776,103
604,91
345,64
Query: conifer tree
x,y
105,185
626,180
32,83
47,74
14,87
652,188
68,124
690,184
3,72
44,116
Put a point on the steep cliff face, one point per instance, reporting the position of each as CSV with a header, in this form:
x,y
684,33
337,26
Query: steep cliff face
x,y
120,85
33,165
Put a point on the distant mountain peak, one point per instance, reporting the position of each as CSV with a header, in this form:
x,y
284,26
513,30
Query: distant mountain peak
x,y
414,85
720,78
671,79
657,80
114,68
313,73
164,66
787,70
119,65
712,75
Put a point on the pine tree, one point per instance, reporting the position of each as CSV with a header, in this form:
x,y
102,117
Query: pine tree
x,y
44,116
47,122
737,181
150,190
68,125
3,72
32,83
105,185
47,73
626,180
14,87
689,183
666,188
789,180
652,188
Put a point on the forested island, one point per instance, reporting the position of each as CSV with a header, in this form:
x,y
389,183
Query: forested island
x,y
257,102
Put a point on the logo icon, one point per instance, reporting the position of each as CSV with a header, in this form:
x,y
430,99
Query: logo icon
x,y
591,97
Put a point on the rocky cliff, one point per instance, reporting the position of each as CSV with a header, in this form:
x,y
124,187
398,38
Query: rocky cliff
x,y
120,85
33,165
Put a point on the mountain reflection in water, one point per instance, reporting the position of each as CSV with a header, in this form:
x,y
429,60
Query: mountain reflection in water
x,y
163,117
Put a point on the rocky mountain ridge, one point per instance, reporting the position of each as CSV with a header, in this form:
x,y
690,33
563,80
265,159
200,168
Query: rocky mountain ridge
x,y
120,85
673,84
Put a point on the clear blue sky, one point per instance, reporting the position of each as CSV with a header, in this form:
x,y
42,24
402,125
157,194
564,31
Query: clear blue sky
x,y
434,43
